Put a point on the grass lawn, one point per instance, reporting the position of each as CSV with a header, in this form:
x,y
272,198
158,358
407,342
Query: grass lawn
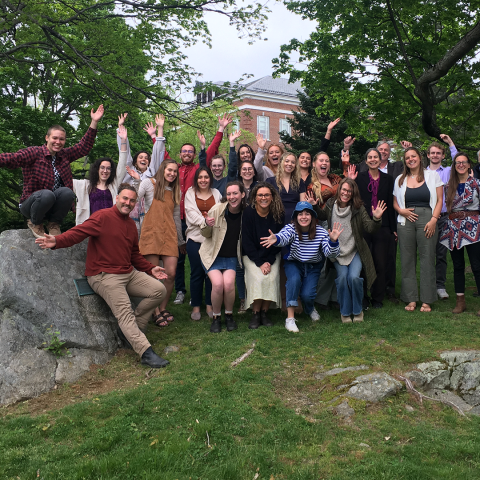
x,y
267,418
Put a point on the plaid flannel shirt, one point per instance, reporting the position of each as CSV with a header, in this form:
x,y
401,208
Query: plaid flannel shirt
x,y
36,164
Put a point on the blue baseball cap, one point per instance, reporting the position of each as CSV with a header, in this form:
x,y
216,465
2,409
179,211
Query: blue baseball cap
x,y
301,206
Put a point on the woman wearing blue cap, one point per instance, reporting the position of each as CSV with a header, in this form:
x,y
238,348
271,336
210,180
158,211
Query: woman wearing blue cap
x,y
308,244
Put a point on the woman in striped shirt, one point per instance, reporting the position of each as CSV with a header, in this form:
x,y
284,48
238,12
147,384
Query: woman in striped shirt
x,y
308,246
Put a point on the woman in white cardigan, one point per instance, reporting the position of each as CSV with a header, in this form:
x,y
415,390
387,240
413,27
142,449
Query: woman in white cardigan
x,y
417,198
199,199
100,189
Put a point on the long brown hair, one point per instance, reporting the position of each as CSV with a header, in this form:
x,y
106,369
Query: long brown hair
x,y
282,151
454,181
316,184
161,183
276,207
406,170
295,176
312,229
355,200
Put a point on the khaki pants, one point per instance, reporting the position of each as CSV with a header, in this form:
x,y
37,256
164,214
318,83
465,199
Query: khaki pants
x,y
115,290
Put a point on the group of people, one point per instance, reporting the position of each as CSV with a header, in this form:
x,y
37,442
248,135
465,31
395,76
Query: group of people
x,y
281,227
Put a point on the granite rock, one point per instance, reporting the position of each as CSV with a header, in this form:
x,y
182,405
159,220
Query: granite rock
x,y
374,387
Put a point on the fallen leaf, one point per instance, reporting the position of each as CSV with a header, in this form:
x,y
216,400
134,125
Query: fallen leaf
x,y
154,442
387,438
197,420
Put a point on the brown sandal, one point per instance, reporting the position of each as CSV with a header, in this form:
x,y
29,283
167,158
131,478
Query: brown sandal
x,y
159,321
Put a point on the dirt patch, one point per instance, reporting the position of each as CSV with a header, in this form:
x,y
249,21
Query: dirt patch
x,y
123,372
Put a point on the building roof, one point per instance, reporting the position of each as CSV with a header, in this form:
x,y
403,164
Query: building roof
x,y
276,86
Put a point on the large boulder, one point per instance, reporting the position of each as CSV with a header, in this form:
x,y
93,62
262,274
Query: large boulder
x,y
37,293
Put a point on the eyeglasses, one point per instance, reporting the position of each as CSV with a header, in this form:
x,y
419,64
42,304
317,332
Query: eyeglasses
x,y
346,192
108,169
264,195
244,170
461,163
187,151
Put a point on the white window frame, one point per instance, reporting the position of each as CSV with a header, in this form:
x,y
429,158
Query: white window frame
x,y
284,126
263,129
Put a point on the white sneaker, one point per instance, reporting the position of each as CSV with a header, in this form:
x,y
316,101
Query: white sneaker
x,y
442,293
315,316
291,326
179,299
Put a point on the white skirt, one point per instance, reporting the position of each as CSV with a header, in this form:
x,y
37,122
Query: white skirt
x,y
260,286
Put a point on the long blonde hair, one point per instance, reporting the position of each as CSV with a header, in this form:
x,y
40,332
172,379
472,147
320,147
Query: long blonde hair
x,y
316,184
161,183
282,151
295,176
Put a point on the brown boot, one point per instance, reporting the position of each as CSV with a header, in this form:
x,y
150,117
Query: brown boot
x,y
460,306
37,230
54,229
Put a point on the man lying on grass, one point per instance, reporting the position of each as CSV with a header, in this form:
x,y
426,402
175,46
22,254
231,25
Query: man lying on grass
x,y
112,254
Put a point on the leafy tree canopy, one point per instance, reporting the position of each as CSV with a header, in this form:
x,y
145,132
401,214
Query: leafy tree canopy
x,y
393,67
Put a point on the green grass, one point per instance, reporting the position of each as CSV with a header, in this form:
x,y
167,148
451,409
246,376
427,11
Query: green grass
x,y
269,415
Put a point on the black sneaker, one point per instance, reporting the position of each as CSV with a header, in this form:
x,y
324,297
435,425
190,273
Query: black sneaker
x,y
376,304
151,359
265,320
230,323
255,321
216,326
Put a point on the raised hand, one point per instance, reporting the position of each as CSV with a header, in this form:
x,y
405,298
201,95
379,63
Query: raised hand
x,y
159,273
378,212
96,116
150,128
351,170
405,144
348,142
122,133
261,142
159,120
233,136
447,139
310,198
48,241
268,241
202,140
121,118
335,232
333,124
224,121
210,221
133,173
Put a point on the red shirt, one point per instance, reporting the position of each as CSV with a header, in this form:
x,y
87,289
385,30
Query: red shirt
x,y
36,164
113,244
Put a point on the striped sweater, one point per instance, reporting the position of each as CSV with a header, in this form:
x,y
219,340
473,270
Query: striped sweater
x,y
307,251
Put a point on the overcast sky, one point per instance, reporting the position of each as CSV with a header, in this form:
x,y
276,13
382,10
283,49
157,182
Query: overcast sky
x,y
231,57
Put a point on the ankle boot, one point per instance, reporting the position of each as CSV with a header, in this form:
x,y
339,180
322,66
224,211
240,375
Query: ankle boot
x,y
216,326
265,320
255,321
460,306
230,323
151,359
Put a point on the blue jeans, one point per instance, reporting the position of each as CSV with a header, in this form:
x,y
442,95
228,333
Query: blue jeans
x,y
350,286
240,278
180,273
302,279
198,276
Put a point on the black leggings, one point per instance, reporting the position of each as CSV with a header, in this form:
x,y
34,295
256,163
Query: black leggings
x,y
458,259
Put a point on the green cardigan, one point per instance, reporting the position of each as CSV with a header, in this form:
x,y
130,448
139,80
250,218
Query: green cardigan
x,y
361,222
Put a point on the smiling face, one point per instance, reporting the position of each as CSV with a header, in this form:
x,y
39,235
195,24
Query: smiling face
x,y
105,170
345,195
462,165
203,181
142,162
187,154
234,197
217,168
246,171
264,199
170,173
305,160
273,155
289,163
322,165
412,160
435,155
304,219
384,150
373,160
125,201
55,141
245,154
